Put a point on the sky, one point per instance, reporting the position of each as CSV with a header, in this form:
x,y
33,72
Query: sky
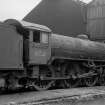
x,y
18,9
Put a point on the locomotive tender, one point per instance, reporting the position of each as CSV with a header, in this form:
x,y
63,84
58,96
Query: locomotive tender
x,y
31,55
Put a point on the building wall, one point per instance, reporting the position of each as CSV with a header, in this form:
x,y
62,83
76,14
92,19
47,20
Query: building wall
x,y
96,20
64,17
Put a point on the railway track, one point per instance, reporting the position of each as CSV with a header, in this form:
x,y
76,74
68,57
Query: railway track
x,y
50,96
32,89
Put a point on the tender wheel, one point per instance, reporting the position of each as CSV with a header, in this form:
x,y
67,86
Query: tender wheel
x,y
91,81
11,82
42,83
72,72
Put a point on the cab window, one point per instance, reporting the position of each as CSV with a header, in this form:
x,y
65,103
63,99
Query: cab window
x,y
44,37
36,36
40,37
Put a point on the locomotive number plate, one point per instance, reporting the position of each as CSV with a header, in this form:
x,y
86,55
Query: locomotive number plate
x,y
40,53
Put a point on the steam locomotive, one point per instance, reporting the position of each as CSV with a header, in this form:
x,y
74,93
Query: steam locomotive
x,y
32,56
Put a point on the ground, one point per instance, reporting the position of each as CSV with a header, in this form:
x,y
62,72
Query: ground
x,y
76,96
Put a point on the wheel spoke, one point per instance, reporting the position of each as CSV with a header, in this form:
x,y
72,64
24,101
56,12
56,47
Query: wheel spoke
x,y
102,80
71,70
72,83
91,81
43,85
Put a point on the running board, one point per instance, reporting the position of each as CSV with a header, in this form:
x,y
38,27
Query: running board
x,y
86,75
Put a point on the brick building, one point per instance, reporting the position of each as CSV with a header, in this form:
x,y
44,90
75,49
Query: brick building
x,y
96,20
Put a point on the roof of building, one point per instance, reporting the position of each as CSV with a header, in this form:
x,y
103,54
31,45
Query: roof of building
x,y
66,17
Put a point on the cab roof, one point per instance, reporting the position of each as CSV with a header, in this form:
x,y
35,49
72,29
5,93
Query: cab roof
x,y
34,26
27,25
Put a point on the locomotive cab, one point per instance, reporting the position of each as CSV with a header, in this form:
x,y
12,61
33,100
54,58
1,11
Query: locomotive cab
x,y
39,46
37,49
36,41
